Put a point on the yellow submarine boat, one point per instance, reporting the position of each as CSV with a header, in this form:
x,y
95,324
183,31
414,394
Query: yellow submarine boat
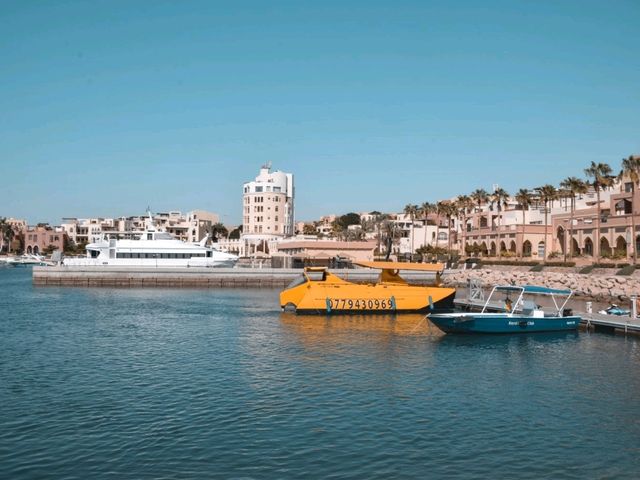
x,y
319,291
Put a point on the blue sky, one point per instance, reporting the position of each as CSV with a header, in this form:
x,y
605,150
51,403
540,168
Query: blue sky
x,y
107,107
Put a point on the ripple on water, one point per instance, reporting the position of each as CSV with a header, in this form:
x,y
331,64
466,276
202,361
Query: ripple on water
x,y
98,383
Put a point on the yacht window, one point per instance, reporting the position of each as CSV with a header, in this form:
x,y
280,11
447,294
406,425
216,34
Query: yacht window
x,y
149,236
208,254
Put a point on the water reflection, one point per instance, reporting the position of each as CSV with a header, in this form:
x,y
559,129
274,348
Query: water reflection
x,y
497,340
401,325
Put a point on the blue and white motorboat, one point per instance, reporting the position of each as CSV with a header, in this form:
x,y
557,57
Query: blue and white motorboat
x,y
615,310
521,315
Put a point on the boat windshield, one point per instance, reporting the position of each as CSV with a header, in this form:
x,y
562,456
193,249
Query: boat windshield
x,y
317,276
297,281
164,236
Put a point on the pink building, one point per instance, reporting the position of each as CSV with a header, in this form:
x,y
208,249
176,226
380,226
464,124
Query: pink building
x,y
37,239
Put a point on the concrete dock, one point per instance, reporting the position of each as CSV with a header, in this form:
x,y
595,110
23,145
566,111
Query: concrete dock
x,y
82,276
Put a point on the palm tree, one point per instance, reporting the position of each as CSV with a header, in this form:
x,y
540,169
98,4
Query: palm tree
x,y
446,208
425,209
573,186
218,230
7,233
548,193
601,174
464,204
3,221
411,210
631,169
480,197
500,197
390,233
523,197
379,219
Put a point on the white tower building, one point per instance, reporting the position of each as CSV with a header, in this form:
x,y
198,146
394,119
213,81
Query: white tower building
x,y
268,205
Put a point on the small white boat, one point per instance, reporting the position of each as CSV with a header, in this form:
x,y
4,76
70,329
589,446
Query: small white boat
x,y
26,259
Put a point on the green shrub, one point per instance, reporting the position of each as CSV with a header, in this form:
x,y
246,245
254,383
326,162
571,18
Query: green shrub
x,y
537,268
605,265
628,270
587,269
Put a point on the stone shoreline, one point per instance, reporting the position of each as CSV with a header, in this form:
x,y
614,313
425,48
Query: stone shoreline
x,y
590,286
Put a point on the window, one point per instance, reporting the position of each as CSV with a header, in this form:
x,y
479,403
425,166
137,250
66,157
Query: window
x,y
258,189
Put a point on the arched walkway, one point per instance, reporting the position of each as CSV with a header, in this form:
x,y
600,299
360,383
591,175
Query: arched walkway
x,y
588,247
483,249
560,235
621,246
575,248
36,250
605,248
526,248
503,247
512,246
541,253
493,249
29,250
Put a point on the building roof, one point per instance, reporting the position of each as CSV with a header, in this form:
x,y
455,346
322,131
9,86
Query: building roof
x,y
327,245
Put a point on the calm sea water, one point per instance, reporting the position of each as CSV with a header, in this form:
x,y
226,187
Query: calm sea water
x,y
135,383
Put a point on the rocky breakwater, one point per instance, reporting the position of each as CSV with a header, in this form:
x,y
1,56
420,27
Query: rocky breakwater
x,y
590,286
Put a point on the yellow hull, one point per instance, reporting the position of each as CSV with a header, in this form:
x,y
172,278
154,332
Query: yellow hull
x,y
331,294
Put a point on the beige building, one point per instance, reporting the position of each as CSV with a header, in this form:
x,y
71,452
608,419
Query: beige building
x,y
612,237
268,205
267,210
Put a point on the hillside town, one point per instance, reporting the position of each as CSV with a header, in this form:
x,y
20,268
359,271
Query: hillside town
x,y
583,220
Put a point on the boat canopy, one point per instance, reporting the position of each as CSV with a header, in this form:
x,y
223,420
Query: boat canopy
x,y
425,267
534,289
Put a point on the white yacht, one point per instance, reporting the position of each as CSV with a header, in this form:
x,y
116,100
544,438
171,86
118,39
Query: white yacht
x,y
151,248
